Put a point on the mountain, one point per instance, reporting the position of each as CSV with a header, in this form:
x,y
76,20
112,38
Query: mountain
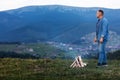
x,y
9,22
53,23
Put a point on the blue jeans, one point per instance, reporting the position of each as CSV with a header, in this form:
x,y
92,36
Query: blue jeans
x,y
102,55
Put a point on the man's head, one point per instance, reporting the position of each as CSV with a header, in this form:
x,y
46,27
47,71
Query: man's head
x,y
100,14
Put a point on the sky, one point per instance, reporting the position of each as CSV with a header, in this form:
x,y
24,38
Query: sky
x,y
13,4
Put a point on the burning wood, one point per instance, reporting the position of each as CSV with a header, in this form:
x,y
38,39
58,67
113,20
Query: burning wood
x,y
78,63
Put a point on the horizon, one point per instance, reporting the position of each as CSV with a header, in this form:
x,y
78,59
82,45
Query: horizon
x,y
8,5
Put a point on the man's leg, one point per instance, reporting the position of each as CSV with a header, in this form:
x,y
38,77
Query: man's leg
x,y
101,53
105,57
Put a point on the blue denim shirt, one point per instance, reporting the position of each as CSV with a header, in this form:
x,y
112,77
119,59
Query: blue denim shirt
x,y
102,29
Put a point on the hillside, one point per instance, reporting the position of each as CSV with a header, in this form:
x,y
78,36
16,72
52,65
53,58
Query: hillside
x,y
47,69
30,50
52,23
114,55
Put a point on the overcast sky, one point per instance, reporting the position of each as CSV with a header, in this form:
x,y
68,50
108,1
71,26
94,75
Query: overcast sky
x,y
12,4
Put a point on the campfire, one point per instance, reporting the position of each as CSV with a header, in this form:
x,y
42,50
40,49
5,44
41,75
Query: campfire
x,y
78,63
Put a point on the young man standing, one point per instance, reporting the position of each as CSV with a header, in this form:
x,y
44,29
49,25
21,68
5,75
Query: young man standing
x,y
101,37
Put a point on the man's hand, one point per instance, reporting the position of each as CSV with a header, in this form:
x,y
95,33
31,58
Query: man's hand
x,y
95,39
101,40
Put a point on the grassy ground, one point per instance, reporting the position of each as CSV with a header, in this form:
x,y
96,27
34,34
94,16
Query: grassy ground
x,y
47,69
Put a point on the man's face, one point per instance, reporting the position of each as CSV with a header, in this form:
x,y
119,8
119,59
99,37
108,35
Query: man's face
x,y
98,14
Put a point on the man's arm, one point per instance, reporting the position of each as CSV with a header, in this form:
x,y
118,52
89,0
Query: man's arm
x,y
104,31
105,28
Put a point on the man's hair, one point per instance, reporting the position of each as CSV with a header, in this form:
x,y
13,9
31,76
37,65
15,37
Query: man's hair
x,y
101,11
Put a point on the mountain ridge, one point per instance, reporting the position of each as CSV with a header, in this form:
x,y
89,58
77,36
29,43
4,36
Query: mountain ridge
x,y
55,22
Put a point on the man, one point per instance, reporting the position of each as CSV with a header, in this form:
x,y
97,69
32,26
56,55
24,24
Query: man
x,y
101,37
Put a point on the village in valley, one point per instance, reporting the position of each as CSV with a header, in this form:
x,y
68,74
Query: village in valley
x,y
87,47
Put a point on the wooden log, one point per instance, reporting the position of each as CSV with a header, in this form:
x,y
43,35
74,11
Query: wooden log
x,y
78,62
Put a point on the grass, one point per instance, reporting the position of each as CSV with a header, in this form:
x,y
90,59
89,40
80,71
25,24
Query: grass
x,y
57,69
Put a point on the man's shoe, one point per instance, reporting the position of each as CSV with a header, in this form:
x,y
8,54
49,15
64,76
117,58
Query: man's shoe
x,y
99,65
104,64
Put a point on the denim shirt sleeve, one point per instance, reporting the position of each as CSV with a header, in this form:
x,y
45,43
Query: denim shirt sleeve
x,y
104,28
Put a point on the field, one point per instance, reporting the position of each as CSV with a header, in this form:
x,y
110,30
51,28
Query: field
x,y
56,69
30,50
